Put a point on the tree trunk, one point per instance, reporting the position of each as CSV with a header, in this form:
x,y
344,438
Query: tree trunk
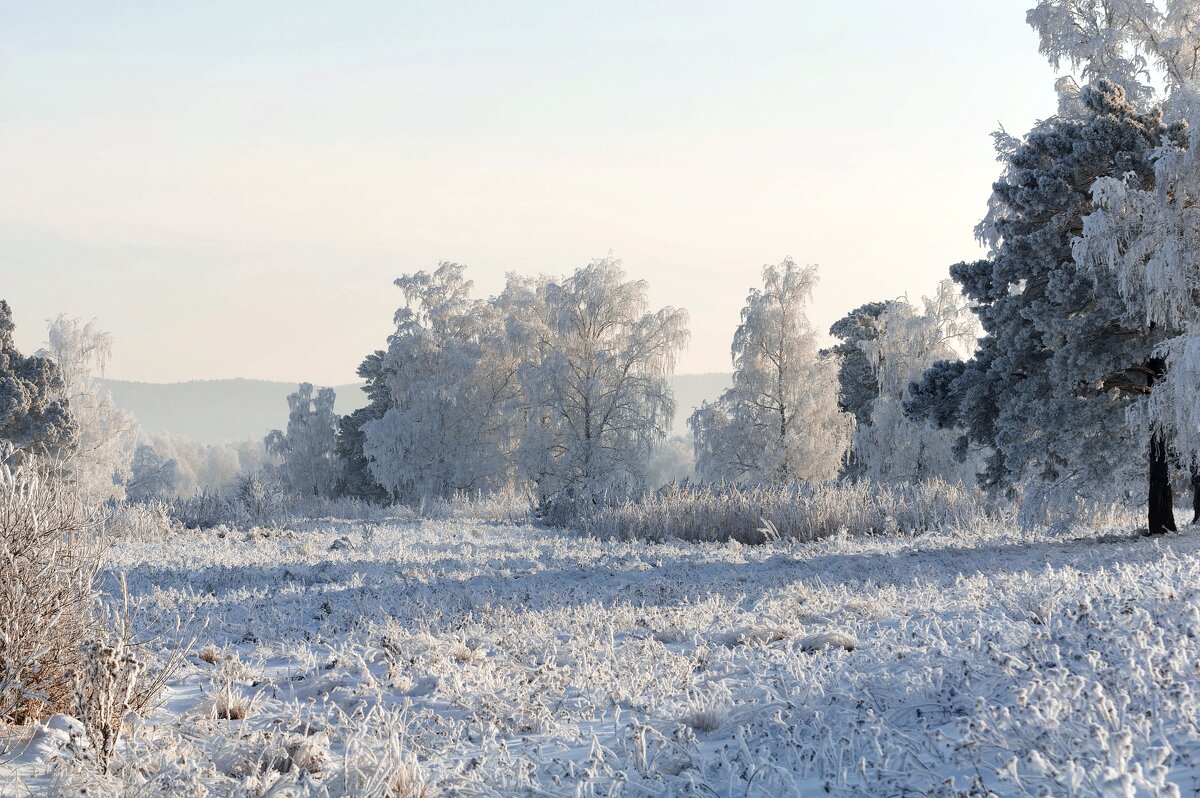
x,y
1162,513
1195,473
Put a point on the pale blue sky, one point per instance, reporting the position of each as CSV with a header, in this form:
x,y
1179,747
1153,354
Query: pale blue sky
x,y
231,187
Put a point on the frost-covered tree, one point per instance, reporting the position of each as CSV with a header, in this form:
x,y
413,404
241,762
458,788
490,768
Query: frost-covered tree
x,y
35,416
1146,237
108,435
905,343
452,385
201,466
595,383
357,479
858,385
308,448
151,476
780,422
1134,44
1059,366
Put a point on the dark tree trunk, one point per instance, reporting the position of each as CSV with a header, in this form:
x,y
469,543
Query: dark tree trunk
x,y
1162,503
1195,473
1162,512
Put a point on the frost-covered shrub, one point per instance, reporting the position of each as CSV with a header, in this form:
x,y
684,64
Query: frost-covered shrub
x,y
757,514
48,562
203,510
151,520
262,495
62,648
509,506
108,686
253,499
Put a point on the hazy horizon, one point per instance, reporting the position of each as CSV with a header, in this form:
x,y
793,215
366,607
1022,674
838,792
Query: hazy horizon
x,y
230,191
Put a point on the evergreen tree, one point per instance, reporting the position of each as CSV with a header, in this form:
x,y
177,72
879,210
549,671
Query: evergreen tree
x,y
858,385
906,342
1058,366
357,479
35,416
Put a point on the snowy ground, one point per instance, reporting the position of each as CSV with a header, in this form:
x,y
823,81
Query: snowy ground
x,y
468,658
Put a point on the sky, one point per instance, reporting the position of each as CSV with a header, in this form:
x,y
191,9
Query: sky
x,y
230,188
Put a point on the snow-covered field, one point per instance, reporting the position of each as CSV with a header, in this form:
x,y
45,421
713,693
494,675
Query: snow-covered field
x,y
470,658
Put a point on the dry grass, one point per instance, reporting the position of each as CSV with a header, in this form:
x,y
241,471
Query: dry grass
x,y
755,514
706,713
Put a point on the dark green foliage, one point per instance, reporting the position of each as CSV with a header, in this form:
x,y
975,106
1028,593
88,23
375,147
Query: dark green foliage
x,y
1049,387
357,481
34,415
858,385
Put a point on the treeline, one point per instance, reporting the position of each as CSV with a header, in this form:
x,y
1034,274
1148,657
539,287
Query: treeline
x,y
560,387
1079,332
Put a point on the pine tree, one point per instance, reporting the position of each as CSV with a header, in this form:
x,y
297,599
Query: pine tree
x,y
907,341
1058,366
35,416
357,479
858,385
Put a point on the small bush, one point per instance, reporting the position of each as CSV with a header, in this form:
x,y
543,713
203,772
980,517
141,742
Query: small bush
x,y
721,513
63,650
49,557
140,521
512,506
106,690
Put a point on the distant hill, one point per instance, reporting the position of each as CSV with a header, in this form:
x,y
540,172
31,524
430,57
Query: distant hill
x,y
223,411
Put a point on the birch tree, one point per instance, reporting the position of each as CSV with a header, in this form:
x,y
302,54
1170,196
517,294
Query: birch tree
x,y
451,423
595,384
780,422
309,446
99,465
1139,45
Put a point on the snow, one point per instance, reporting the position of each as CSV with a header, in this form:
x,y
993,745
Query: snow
x,y
467,657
